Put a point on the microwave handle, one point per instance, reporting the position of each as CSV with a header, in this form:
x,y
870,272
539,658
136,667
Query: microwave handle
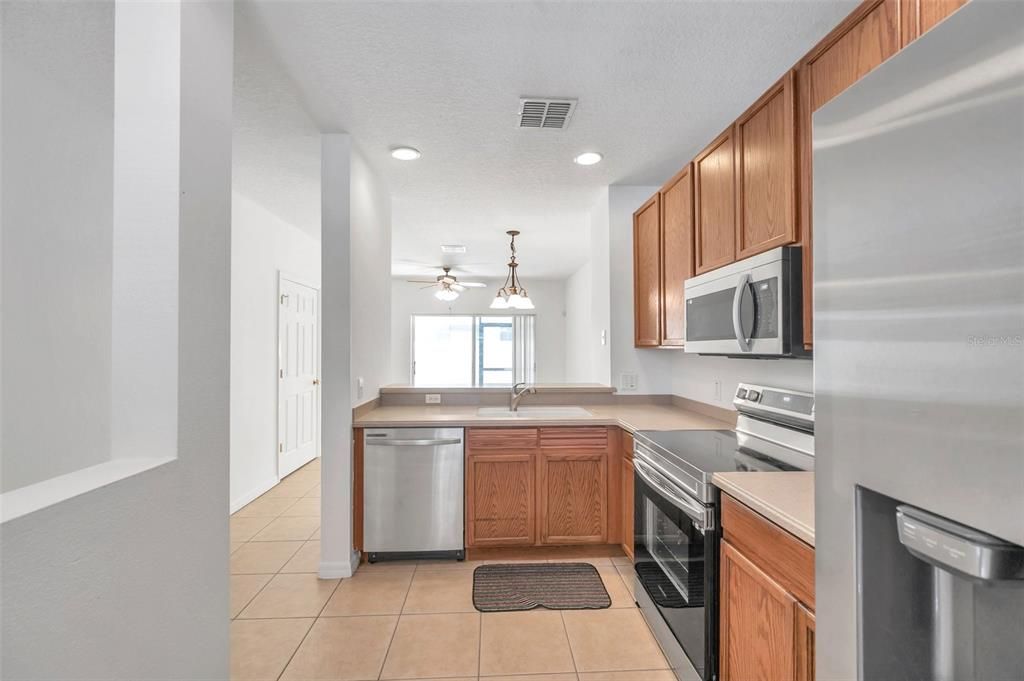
x,y
737,323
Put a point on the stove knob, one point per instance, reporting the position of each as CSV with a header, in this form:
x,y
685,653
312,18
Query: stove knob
x,y
753,395
741,393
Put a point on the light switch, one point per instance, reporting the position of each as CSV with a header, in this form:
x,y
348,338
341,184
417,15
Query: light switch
x,y
627,382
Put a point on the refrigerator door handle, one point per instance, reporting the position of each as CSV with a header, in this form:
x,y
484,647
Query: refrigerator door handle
x,y
737,301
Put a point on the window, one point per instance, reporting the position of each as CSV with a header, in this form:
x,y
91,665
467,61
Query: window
x,y
472,351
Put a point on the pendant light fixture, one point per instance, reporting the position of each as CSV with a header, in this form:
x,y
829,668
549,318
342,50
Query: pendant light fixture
x,y
512,296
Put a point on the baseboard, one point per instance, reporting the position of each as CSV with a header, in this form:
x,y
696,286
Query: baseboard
x,y
252,494
339,569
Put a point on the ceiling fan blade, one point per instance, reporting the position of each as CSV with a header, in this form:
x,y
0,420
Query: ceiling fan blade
x,y
419,281
458,287
427,286
473,284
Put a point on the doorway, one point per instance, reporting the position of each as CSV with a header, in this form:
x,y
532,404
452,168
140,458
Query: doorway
x,y
298,353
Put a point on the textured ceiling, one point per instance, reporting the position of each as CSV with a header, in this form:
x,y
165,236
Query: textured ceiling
x,y
655,82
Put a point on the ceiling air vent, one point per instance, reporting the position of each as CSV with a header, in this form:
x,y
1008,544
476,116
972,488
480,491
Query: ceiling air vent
x,y
541,112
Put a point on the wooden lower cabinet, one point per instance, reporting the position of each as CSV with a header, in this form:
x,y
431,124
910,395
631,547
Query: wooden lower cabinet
x,y
541,486
573,494
500,499
766,631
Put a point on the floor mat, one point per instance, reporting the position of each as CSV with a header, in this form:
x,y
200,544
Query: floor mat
x,y
509,587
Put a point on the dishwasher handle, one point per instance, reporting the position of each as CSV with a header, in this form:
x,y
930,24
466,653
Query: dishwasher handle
x,y
413,443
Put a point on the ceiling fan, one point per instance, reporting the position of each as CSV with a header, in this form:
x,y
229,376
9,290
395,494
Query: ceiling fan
x,y
448,285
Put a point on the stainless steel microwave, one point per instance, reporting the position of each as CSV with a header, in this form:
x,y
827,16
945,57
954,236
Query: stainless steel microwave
x,y
751,308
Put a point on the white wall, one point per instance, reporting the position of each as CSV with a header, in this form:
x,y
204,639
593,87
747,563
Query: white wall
x,y
129,575
600,282
275,227
652,367
550,337
261,246
371,280
58,173
581,343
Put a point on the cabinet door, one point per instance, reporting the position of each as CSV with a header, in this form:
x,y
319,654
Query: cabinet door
x,y
627,506
676,254
647,274
573,493
758,623
920,16
865,39
804,644
766,171
500,499
714,181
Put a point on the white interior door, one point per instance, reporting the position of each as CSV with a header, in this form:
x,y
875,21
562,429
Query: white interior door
x,y
298,404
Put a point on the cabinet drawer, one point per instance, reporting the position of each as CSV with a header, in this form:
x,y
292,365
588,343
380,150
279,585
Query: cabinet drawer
x,y
501,438
587,437
779,554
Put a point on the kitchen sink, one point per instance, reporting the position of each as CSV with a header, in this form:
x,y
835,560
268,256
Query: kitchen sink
x,y
534,412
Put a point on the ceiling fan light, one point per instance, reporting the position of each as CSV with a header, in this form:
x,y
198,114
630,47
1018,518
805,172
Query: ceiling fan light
x,y
446,295
514,301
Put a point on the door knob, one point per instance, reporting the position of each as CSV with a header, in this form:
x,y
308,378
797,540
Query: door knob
x,y
316,381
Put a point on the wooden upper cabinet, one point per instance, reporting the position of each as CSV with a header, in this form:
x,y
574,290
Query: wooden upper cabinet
x,y
500,500
647,273
676,254
766,171
758,623
866,38
920,16
714,182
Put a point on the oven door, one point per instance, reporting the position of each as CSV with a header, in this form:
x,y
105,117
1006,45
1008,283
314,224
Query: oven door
x,y
747,308
676,563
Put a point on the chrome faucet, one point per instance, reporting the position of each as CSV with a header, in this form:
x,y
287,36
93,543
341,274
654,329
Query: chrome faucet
x,y
518,390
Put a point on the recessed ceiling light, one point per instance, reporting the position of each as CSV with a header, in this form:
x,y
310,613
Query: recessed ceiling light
x,y
588,158
405,153
453,248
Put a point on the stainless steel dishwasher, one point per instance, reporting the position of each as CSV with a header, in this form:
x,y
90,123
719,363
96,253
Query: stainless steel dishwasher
x,y
413,493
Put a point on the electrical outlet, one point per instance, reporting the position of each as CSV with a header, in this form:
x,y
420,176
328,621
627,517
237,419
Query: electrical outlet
x,y
433,398
718,391
627,382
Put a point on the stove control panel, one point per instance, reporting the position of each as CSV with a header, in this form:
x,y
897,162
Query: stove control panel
x,y
789,406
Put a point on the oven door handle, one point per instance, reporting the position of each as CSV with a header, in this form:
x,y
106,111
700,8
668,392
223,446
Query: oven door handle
x,y
696,512
737,302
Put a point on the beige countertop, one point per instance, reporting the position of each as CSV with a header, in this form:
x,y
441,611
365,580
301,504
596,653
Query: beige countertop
x,y
632,417
785,498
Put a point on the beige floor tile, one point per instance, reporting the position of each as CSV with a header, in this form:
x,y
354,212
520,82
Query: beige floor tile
x,y
316,535
532,642
616,588
301,595
596,562
431,565
622,560
313,493
235,545
628,577
261,648
281,529
264,508
390,566
307,506
440,591
306,559
285,489
643,675
611,640
427,646
342,648
380,593
262,557
243,588
244,529
533,677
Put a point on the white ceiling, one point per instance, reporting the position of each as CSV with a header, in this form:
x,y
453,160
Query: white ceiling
x,y
655,82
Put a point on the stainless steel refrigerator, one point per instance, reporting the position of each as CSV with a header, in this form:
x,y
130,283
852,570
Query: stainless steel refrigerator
x,y
919,359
